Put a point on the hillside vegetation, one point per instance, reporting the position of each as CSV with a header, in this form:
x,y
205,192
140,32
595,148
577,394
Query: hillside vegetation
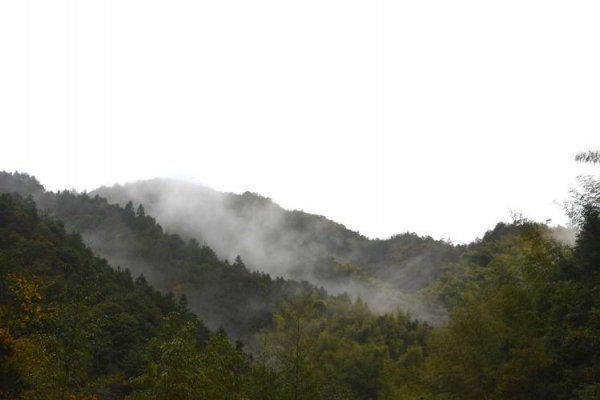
x,y
521,309
223,294
71,327
292,244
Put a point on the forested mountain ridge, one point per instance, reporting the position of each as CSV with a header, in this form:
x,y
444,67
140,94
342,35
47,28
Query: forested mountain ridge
x,y
68,321
72,327
221,293
294,244
522,316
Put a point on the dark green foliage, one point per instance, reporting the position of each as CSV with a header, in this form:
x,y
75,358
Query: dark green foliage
x,y
523,313
295,243
524,321
222,294
90,320
23,184
408,261
575,310
325,348
73,327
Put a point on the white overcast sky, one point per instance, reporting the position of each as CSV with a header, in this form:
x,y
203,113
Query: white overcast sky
x,y
438,117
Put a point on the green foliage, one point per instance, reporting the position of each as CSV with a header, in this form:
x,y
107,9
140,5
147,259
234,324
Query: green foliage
x,y
307,245
523,322
67,320
175,374
523,319
325,348
223,294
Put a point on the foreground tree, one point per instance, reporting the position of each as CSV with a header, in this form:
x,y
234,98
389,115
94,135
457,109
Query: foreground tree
x,y
180,369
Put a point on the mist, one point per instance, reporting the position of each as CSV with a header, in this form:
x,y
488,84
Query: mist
x,y
292,244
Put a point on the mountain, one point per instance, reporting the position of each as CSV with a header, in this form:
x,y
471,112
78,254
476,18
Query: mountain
x,y
293,244
223,294
522,317
240,296
73,327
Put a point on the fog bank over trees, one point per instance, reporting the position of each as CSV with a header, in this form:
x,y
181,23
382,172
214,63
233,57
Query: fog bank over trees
x,y
292,244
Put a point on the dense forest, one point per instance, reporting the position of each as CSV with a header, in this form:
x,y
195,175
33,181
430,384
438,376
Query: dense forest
x,y
223,294
98,301
72,327
294,244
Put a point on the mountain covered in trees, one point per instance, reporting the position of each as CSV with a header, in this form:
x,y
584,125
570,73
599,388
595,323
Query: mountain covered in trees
x,y
223,294
72,327
522,319
293,244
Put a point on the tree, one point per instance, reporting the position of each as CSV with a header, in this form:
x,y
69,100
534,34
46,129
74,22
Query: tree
x,y
174,369
589,156
178,369
292,348
495,344
588,193
224,369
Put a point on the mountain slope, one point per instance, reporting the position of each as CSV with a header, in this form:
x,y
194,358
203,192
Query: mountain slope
x,y
295,245
69,323
222,294
73,327
290,243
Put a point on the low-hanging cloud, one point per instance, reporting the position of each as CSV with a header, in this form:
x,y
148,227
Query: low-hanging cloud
x,y
292,244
